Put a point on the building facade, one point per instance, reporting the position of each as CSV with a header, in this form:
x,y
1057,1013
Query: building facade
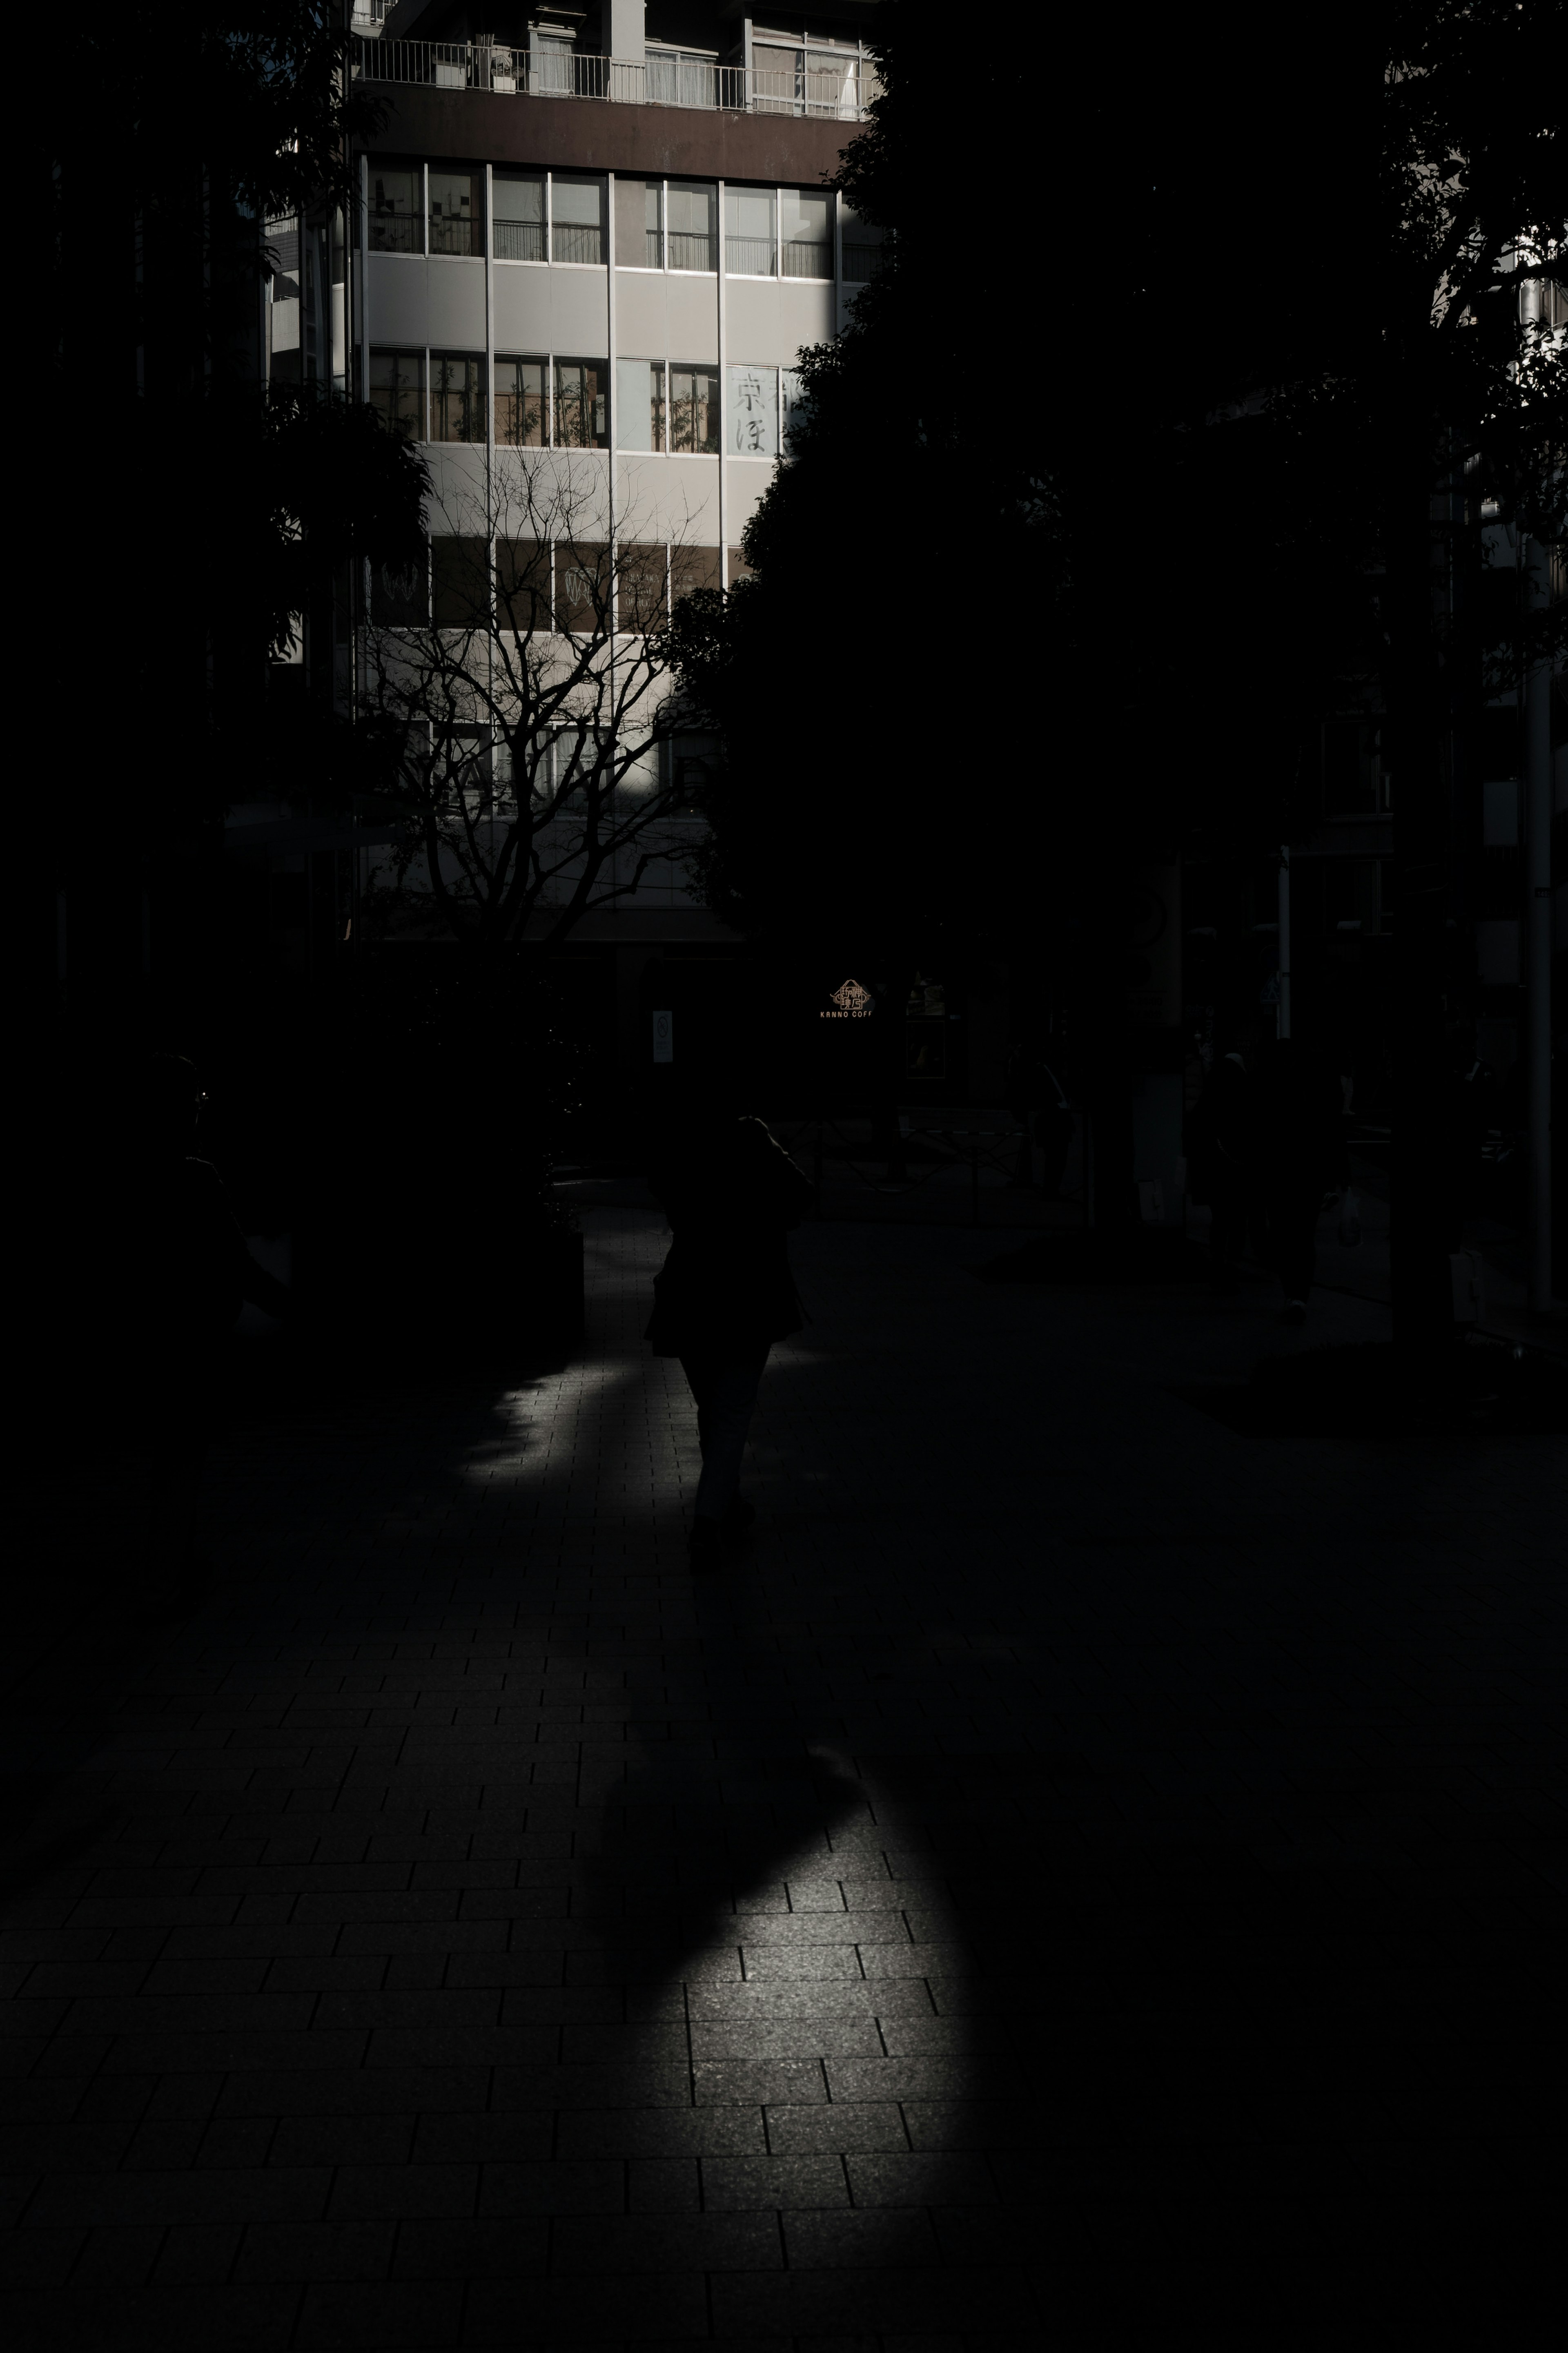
x,y
585,248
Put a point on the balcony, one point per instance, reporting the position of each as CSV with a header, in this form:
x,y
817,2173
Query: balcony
x,y
828,85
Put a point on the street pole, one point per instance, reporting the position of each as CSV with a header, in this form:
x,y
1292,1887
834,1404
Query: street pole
x,y
1284,1023
1538,937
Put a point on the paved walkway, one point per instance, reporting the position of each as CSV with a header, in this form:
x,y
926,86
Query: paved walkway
x,y
1083,1879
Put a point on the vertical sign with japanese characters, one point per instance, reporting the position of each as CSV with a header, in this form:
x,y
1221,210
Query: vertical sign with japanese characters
x,y
753,419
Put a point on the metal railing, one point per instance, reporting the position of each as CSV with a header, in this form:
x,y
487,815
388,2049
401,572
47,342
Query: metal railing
x,y
840,95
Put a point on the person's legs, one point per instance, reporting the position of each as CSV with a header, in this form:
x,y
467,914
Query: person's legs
x,y
725,1389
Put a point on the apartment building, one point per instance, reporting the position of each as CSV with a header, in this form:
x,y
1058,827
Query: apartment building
x,y
604,232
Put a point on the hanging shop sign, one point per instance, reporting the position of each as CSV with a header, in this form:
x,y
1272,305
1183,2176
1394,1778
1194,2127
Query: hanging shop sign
x,y
850,1003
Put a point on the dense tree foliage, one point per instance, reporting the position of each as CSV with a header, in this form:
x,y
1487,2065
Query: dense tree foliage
x,y
1089,585
202,511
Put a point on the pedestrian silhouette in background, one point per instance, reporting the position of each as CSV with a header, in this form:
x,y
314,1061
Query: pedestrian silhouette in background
x,y
1301,1155
1220,1144
190,1272
725,1293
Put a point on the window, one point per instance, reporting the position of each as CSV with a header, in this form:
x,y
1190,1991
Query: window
x,y
665,408
457,212
517,205
739,568
641,599
694,410
460,575
397,391
749,232
457,397
581,400
638,244
793,405
582,589
639,404
576,219
691,224
753,417
862,250
552,64
694,767
522,585
681,78
806,233
692,567
400,595
789,80
397,223
520,402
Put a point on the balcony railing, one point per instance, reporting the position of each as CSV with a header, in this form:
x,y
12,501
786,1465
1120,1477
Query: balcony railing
x,y
840,91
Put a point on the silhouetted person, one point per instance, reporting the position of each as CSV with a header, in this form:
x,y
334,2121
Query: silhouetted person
x,y
190,1273
725,1293
1302,1154
1220,1144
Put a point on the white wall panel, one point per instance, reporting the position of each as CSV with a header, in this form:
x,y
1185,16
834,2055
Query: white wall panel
x,y
414,301
522,307
769,320
580,313
456,486
806,316
642,316
670,498
693,317
749,477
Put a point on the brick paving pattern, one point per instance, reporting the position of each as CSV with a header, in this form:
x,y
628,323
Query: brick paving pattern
x,y
1085,1876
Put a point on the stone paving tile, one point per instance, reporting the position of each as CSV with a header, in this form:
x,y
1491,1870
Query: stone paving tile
x,y
1082,1875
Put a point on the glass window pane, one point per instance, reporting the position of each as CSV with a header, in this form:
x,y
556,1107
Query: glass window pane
x,y
520,402
694,410
861,249
806,233
778,77
517,205
457,397
639,404
637,224
577,215
640,593
754,412
400,597
456,213
749,232
791,402
832,82
692,567
397,391
522,585
396,222
691,224
582,589
581,422
460,571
